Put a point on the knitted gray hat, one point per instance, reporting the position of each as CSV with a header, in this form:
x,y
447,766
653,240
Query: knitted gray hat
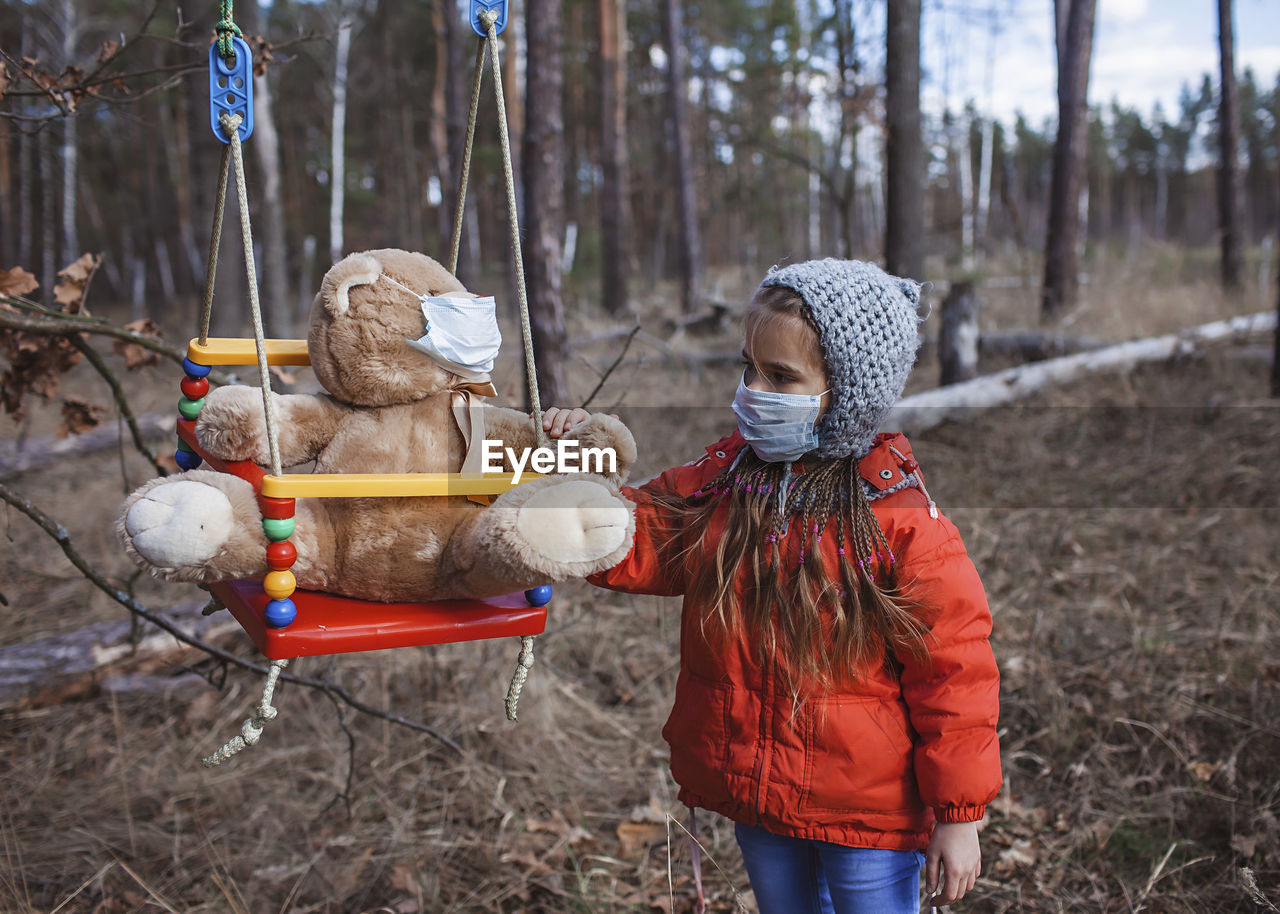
x,y
868,330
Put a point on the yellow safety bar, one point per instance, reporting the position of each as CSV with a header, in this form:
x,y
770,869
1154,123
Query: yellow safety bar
x,y
231,351
381,485
236,351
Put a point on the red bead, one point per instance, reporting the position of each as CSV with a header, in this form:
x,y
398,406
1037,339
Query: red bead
x,y
194,388
281,556
277,508
910,465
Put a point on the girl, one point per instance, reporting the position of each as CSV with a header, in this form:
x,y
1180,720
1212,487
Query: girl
x,y
837,696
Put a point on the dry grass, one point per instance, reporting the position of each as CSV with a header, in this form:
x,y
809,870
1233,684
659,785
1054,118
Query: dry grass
x,y
1126,532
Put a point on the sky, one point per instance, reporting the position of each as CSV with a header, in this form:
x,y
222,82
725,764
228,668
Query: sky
x,y
1143,52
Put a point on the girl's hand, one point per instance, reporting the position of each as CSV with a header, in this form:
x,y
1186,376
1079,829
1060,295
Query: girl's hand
x,y
556,420
953,849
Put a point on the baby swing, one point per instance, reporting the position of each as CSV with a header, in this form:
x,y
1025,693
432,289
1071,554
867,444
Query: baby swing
x,y
282,621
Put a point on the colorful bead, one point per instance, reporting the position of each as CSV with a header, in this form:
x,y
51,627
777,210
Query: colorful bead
x,y
279,584
281,555
194,388
188,460
538,596
280,613
278,508
277,528
840,551
188,408
195,369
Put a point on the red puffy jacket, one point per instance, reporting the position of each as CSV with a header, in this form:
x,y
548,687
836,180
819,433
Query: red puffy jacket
x,y
873,766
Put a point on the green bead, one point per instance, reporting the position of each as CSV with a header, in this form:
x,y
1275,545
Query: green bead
x,y
183,446
277,529
189,409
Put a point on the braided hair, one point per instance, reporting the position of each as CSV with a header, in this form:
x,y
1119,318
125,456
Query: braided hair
x,y
824,626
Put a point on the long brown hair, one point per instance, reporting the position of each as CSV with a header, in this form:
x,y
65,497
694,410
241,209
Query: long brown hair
x,y
824,626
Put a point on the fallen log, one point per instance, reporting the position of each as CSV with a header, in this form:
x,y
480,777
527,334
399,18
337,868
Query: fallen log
x,y
932,407
60,668
19,456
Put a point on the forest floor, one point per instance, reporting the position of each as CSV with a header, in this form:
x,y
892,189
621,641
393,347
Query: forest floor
x,y
1126,531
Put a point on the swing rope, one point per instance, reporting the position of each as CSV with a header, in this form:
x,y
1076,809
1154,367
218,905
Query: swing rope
x,y
489,19
251,729
465,175
215,239
226,28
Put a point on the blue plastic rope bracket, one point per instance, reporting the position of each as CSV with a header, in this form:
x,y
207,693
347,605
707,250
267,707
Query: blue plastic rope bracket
x,y
484,6
231,89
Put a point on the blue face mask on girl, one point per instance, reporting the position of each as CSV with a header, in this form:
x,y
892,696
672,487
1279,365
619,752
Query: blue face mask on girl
x,y
779,427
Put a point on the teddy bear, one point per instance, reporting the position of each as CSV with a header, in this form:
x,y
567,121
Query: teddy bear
x,y
393,377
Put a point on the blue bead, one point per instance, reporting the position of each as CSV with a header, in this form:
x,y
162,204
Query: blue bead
x,y
188,460
538,596
194,369
280,613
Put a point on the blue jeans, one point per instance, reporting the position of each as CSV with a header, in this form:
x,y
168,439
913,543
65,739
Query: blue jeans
x,y
799,876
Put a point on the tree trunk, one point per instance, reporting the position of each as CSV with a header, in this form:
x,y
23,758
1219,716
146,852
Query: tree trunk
x,y
49,265
231,292
689,238
846,62
70,160
965,156
277,306
457,36
438,132
958,338
338,167
1230,178
904,148
173,127
7,228
615,219
544,195
1061,260
1275,357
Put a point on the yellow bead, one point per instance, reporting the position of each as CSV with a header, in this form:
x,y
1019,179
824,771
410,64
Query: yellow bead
x,y
279,584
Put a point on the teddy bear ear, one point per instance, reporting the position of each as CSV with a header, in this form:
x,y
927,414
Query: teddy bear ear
x,y
352,270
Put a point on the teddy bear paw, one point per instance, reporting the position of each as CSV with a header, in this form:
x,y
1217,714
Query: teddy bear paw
x,y
232,426
575,521
179,523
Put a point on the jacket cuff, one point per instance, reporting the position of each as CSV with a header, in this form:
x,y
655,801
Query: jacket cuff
x,y
949,814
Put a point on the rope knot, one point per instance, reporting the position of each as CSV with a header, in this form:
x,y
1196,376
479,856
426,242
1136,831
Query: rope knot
x,y
226,29
251,730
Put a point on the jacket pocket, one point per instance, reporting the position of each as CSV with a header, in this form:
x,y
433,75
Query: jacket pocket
x,y
858,757
697,731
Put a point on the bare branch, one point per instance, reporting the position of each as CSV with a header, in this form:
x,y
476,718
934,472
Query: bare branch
x,y
122,401
610,370
63,539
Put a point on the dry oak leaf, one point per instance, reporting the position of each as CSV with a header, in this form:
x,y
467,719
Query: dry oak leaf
x,y
16,281
79,415
137,356
75,281
634,838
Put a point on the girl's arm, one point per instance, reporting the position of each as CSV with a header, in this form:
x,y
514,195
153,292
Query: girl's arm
x,y
953,696
652,566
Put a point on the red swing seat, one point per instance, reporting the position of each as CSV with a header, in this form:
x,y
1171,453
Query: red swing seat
x,y
332,624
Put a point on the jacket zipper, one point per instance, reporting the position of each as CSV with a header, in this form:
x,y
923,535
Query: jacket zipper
x,y
765,752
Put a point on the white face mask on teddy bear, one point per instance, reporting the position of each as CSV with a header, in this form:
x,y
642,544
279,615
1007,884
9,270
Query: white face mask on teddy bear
x,y
462,333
